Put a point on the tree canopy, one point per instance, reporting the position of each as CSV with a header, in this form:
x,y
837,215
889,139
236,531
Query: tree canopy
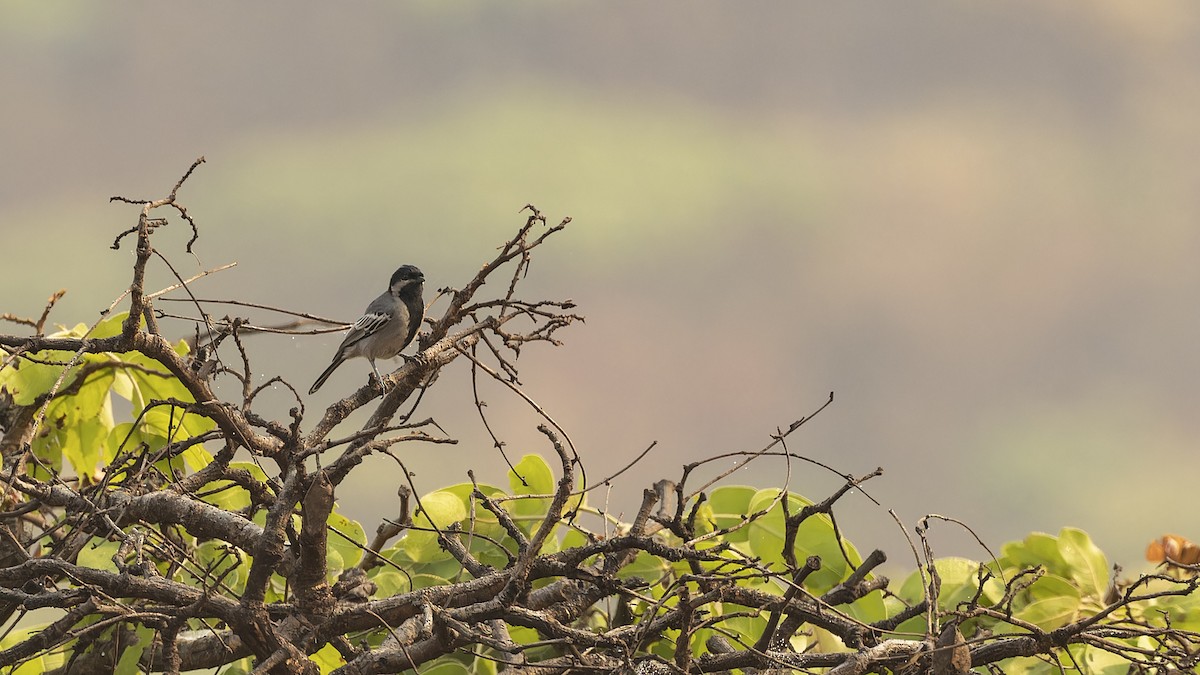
x,y
150,525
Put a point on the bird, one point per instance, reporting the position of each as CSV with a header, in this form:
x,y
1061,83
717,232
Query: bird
x,y
386,327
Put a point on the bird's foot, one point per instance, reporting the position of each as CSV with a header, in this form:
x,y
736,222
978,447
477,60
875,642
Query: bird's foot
x,y
380,383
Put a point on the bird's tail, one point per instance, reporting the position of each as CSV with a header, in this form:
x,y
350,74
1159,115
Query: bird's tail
x,y
325,375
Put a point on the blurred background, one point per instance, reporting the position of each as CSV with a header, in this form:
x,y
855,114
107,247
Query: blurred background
x,y
976,223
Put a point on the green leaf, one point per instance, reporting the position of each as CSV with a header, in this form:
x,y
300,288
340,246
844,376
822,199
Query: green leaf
x,y
167,420
26,380
1099,661
464,491
94,427
539,479
647,567
868,609
125,438
747,628
482,666
390,582
214,556
351,551
960,580
1086,563
1184,611
229,495
574,539
730,504
34,666
226,495
1053,602
109,327
128,665
815,536
480,522
327,659
441,509
1038,548
705,520
242,667
99,557
79,426
528,513
438,510
420,581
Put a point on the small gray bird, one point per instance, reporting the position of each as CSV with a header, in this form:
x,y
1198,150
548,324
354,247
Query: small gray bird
x,y
389,323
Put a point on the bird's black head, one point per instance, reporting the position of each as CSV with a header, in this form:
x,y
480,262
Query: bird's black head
x,y
407,277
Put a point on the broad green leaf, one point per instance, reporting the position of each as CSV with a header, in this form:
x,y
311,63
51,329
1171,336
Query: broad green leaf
x,y
111,326
490,551
528,513
154,382
79,426
960,581
464,491
1184,611
574,539
438,510
1036,549
95,425
480,522
26,380
196,457
327,659
747,628
705,520
213,555
123,384
1098,661
815,536
867,609
420,581
550,545
390,582
99,557
730,504
1086,563
647,567
351,551
242,667
35,666
125,439
441,509
522,635
539,479
1053,602
229,495
483,666
128,665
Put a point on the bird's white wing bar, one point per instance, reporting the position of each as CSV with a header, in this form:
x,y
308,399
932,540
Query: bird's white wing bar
x,y
369,324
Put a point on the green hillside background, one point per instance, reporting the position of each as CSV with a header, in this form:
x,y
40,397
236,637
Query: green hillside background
x,y
977,223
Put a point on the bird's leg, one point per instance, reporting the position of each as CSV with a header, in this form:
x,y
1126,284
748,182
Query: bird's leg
x,y
378,377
